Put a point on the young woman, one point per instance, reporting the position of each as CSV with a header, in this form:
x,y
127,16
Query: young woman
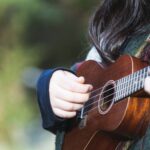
x,y
118,27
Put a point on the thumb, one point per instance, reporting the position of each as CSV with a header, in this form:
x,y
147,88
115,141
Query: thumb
x,y
74,77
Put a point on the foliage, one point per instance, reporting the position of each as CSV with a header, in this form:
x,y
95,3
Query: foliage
x,y
42,33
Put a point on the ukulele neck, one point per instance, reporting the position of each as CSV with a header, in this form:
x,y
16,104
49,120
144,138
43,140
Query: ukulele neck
x,y
130,84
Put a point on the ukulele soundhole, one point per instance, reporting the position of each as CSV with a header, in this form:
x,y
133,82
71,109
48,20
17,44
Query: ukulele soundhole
x,y
106,99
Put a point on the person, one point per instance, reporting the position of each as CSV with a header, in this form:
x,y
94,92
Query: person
x,y
117,27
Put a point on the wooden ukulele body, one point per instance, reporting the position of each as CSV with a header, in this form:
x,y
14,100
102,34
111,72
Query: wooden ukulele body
x,y
124,121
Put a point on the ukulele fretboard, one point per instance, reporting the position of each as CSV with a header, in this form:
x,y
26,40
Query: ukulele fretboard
x,y
130,84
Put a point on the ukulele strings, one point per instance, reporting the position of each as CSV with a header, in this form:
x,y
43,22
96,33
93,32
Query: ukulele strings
x,y
108,95
98,89
99,105
104,86
111,89
102,99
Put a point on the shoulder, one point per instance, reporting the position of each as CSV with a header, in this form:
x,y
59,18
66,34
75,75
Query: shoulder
x,y
94,55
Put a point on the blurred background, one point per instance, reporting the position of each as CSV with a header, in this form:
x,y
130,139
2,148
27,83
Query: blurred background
x,y
35,35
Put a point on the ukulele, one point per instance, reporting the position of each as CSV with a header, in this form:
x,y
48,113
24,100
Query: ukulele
x,y
118,109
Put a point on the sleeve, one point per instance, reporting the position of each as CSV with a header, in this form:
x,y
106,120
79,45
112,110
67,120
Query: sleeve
x,y
49,120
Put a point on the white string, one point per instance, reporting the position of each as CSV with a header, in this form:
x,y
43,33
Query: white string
x,y
107,96
111,89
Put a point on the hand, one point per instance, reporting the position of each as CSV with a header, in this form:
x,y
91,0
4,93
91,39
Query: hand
x,y
68,93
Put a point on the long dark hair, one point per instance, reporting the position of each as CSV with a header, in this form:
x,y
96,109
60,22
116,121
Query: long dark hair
x,y
116,21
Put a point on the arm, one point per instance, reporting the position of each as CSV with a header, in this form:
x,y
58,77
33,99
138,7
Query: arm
x,y
50,121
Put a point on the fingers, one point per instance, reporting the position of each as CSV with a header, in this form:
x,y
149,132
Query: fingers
x,y
73,77
70,96
66,106
75,86
64,114
147,85
73,83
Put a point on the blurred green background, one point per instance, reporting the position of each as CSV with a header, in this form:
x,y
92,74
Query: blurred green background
x,y
35,35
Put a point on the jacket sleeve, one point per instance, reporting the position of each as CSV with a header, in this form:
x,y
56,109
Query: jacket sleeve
x,y
49,120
